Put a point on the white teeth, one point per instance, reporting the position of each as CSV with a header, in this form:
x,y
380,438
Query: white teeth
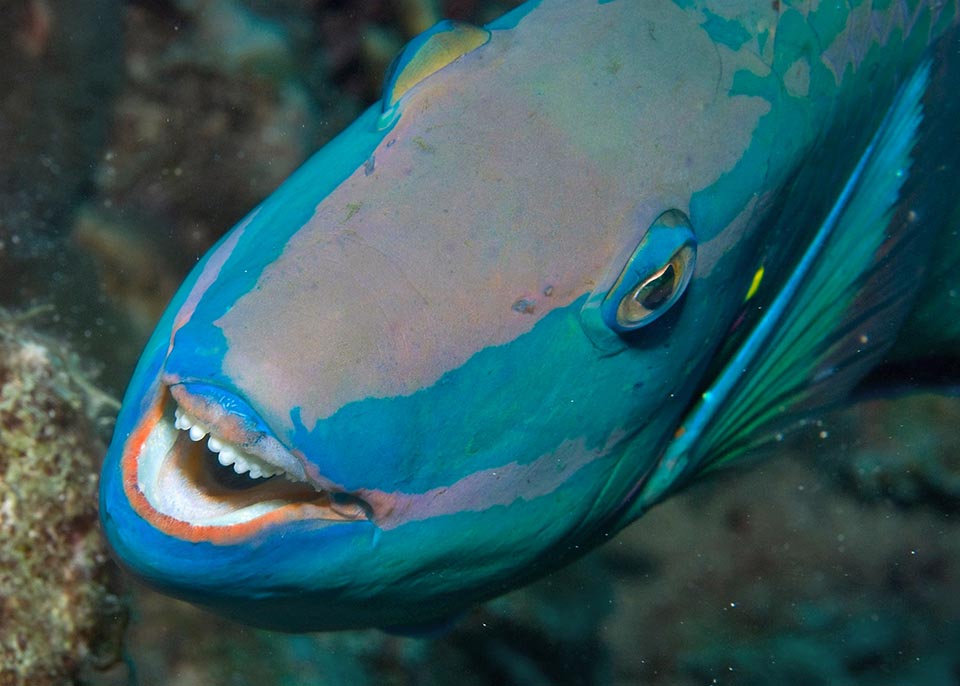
x,y
227,455
248,464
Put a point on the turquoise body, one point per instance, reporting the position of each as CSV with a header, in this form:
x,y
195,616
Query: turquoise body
x,y
412,327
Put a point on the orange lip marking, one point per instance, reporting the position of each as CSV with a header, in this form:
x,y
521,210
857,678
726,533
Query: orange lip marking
x,y
221,535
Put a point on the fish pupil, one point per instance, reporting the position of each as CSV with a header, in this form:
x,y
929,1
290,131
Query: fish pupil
x,y
658,290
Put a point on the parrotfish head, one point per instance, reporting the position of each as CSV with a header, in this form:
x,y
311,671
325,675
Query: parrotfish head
x,y
433,366
258,494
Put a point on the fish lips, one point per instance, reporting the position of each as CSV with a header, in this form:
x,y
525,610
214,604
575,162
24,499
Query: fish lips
x,y
179,518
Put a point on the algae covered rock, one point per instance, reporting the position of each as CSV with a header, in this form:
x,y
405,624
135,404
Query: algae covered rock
x,y
896,453
59,616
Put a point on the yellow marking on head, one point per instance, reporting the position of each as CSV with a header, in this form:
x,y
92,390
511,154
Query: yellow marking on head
x,y
429,53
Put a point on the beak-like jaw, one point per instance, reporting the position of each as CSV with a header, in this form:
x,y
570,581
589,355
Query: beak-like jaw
x,y
201,466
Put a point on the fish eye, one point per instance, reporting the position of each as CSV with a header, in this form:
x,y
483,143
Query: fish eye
x,y
654,277
655,294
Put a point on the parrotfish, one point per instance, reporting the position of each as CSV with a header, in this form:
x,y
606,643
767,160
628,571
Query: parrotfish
x,y
570,263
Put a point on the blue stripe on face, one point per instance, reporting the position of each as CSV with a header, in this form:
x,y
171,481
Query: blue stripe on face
x,y
508,403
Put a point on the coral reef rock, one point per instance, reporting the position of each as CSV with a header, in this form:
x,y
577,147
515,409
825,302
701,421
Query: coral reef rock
x,y
60,618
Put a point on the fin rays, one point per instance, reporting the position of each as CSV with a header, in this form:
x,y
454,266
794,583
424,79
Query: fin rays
x,y
831,320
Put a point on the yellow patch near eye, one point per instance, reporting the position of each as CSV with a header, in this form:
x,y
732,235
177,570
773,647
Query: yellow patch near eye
x,y
755,284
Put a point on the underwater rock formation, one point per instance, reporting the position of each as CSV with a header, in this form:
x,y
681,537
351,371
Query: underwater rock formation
x,y
60,617
61,65
780,576
61,62
895,455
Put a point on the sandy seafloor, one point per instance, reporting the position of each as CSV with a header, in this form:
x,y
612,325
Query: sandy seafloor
x,y
137,135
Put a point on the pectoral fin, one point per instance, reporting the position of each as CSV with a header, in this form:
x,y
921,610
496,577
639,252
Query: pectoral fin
x,y
845,300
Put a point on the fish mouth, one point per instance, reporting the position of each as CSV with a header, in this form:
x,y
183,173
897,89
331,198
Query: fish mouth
x,y
203,466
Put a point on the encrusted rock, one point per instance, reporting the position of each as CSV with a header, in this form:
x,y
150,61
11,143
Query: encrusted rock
x,y
59,616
